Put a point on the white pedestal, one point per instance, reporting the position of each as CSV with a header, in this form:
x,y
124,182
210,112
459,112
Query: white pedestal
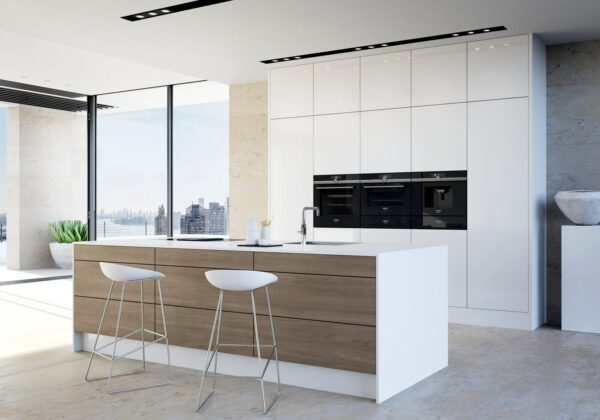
x,y
581,278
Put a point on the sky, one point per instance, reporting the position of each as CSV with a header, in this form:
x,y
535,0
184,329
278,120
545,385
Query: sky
x,y
132,150
2,160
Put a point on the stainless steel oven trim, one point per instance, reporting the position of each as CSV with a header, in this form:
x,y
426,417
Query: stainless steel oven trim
x,y
351,181
342,187
384,186
381,181
439,179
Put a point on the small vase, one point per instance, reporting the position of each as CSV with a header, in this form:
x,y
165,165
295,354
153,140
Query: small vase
x,y
265,235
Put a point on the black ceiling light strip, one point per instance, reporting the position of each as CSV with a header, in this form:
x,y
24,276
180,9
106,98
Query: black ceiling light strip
x,y
169,10
386,44
44,101
40,89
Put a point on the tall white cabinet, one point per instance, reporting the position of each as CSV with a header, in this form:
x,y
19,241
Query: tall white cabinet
x,y
477,106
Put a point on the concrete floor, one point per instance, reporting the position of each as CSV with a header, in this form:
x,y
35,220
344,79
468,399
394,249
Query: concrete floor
x,y
15,276
493,373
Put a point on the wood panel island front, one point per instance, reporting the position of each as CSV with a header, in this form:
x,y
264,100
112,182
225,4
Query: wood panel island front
x,y
361,319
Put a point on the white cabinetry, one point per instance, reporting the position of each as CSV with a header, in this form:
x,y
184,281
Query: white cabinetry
x,y
456,240
499,68
385,81
291,91
336,86
439,138
385,141
439,75
290,175
379,236
498,205
337,144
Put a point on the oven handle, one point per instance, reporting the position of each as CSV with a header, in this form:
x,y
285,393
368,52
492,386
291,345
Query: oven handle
x,y
383,186
335,188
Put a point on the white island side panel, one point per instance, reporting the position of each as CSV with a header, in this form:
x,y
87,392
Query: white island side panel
x,y
412,317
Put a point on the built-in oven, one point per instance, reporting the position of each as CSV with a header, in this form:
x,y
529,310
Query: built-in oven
x,y
386,200
338,199
443,199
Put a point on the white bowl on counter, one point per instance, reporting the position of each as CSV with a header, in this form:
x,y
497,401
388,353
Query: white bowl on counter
x,y
581,207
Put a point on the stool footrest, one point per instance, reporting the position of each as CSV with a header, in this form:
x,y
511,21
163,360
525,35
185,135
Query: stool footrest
x,y
131,372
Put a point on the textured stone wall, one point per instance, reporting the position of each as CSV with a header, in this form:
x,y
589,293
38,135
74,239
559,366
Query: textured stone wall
x,y
248,155
46,179
573,142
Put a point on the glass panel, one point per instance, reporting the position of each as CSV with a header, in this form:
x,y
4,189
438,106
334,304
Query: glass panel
x,y
131,174
3,163
200,159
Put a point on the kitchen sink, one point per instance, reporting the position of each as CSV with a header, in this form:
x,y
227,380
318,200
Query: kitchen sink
x,y
320,243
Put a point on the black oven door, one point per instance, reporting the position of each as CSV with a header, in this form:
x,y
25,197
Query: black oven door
x,y
445,194
383,199
338,203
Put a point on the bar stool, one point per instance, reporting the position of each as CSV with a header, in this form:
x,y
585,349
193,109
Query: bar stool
x,y
240,280
125,275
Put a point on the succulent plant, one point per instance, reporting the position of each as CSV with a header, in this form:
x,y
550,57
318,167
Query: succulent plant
x,y
67,231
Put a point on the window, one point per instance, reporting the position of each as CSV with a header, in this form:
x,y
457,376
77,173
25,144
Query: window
x,y
131,164
200,159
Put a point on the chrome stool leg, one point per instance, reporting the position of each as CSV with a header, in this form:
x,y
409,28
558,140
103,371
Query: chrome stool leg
x,y
209,356
112,360
274,342
112,285
162,308
96,349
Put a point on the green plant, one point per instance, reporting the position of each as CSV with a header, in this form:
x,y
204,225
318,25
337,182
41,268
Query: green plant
x,y
67,231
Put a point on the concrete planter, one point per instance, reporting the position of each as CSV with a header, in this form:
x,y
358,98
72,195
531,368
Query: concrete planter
x,y
581,207
62,254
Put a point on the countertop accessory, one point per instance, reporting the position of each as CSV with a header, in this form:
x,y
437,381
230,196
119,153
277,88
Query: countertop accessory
x,y
259,245
123,274
252,233
581,207
249,281
265,232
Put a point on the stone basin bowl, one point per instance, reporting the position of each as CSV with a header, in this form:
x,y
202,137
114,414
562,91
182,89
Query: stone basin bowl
x,y
581,207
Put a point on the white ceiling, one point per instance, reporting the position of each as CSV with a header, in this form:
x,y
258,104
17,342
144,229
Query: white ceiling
x,y
87,45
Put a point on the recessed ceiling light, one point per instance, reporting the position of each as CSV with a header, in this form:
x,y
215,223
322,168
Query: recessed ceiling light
x,y
171,9
285,59
403,42
506,44
491,46
297,57
477,48
275,61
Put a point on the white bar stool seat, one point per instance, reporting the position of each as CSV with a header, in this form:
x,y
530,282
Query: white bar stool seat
x,y
123,274
239,281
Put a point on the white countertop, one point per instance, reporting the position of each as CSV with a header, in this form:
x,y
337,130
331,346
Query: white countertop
x,y
355,249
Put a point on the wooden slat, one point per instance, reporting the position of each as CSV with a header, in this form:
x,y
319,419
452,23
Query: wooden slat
x,y
189,327
88,312
236,260
187,286
326,344
324,298
90,282
335,265
118,254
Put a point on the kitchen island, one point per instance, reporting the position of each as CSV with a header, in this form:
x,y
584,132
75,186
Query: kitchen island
x,y
360,319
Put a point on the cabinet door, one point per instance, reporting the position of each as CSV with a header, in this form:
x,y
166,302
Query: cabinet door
x,y
291,91
456,240
499,68
385,81
337,234
439,75
337,144
498,265
439,138
385,141
385,236
291,163
337,86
